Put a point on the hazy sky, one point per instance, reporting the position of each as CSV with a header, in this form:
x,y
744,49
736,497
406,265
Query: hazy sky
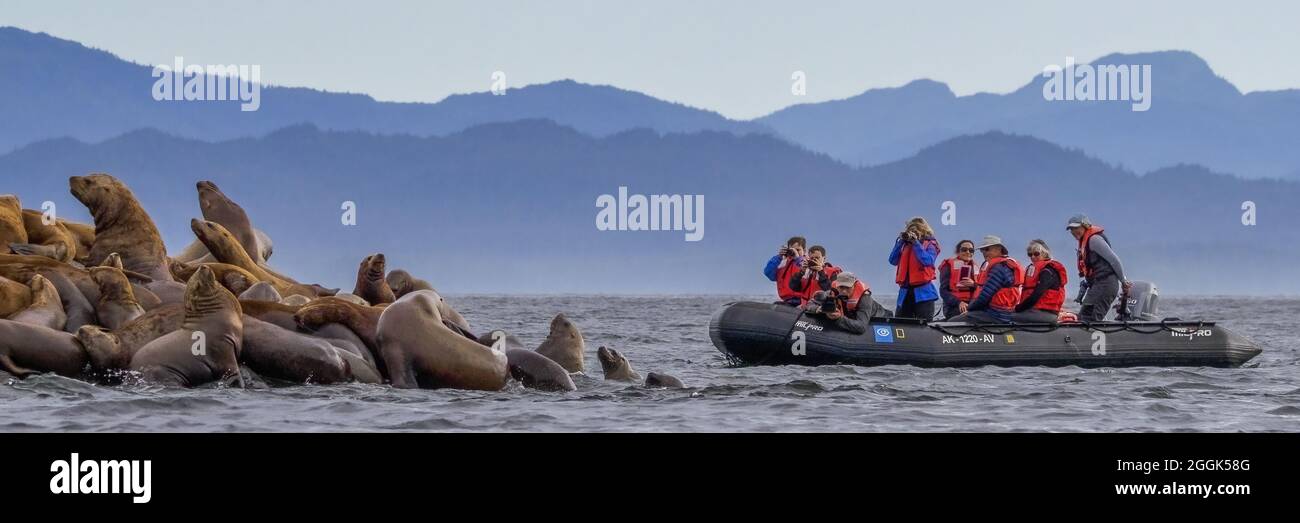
x,y
735,57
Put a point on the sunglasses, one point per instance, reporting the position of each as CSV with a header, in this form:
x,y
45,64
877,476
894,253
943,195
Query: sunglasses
x,y
1034,253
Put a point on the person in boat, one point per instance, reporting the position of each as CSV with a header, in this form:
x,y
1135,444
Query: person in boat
x,y
957,279
816,275
915,252
1100,269
848,305
997,288
1044,291
788,260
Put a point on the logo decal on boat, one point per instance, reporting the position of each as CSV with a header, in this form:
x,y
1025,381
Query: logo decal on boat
x,y
808,326
1011,339
900,334
884,334
1191,333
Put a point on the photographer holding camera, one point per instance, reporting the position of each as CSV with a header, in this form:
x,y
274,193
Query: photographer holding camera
x,y
815,275
915,252
788,261
848,304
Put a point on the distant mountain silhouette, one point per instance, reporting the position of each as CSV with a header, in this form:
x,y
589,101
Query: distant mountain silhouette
x,y
55,88
510,207
1195,117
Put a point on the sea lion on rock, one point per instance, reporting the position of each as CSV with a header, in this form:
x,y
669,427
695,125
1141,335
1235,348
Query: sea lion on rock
x,y
371,285
655,379
352,298
615,365
26,349
141,285
121,225
51,241
278,353
11,222
76,307
231,277
564,344
419,351
14,297
531,369
261,291
117,304
217,207
46,308
402,283
226,249
360,319
206,347
83,236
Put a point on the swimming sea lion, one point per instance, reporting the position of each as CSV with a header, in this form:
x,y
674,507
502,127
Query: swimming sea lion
x,y
206,347
226,249
282,354
11,222
261,291
51,241
564,345
121,225
26,349
231,277
402,283
14,296
117,304
615,365
114,349
46,308
655,379
419,351
531,369
371,285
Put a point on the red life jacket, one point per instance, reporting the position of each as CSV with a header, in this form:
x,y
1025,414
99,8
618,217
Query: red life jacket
x,y
1052,299
1006,298
911,273
783,274
811,285
1093,230
859,289
954,277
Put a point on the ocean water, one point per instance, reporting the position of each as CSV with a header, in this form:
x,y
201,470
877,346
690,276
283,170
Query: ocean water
x,y
671,335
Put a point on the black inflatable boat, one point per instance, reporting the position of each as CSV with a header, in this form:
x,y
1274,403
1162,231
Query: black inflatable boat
x,y
777,334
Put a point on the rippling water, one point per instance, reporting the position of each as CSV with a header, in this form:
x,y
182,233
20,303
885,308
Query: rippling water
x,y
671,335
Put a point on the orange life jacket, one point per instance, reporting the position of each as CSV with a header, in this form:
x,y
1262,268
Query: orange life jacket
x,y
811,285
1084,270
855,297
954,265
1052,299
912,273
783,274
1008,297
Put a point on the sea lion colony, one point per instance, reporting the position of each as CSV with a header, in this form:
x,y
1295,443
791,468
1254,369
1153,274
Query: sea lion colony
x,y
105,303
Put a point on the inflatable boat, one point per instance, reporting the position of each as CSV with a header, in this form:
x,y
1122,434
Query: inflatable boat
x,y
750,333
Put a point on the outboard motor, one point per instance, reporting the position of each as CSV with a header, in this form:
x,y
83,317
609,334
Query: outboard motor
x,y
1141,303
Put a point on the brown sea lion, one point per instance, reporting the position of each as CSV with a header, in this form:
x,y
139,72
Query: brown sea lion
x,y
117,304
51,241
261,291
297,300
419,351
664,381
14,296
226,249
530,368
144,287
108,350
76,307
26,349
402,283
219,208
234,278
11,222
371,285
46,308
276,313
121,225
361,319
84,237
615,365
206,347
286,355
564,344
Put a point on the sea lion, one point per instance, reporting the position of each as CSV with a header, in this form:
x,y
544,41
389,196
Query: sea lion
x,y
14,296
11,222
26,349
108,350
141,285
117,304
419,351
234,278
615,365
297,300
352,298
46,308
226,249
121,225
371,285
206,347
360,319
655,379
402,283
261,291
83,236
51,241
76,307
530,368
564,344
282,354
217,207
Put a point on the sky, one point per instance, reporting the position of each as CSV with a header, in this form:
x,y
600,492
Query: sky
x,y
734,57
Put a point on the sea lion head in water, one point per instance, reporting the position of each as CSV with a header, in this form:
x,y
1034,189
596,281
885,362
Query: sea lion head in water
x,y
615,365
564,345
117,304
657,380
103,349
217,207
371,285
121,225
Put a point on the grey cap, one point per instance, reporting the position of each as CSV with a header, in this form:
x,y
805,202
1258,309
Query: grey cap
x,y
990,241
845,279
1077,220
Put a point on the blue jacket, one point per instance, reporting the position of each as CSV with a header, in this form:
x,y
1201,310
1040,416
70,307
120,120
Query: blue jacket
x,y
1000,277
773,264
927,257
